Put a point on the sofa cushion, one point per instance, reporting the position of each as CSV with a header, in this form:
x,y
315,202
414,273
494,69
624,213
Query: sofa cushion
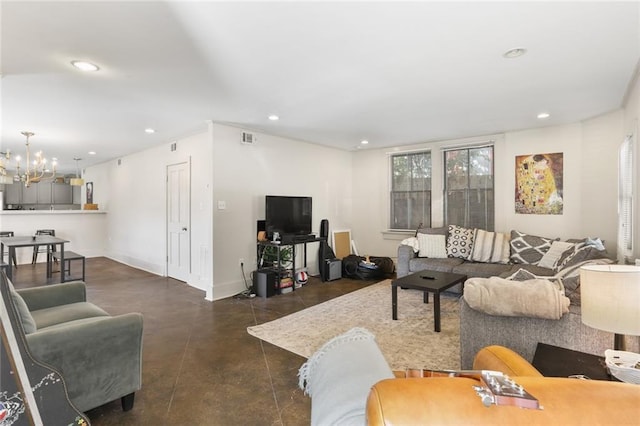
x,y
432,245
534,269
65,313
490,247
433,264
484,270
459,242
28,324
528,249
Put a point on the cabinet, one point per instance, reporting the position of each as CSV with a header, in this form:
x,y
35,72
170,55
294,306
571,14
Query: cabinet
x,y
44,192
62,193
13,193
30,194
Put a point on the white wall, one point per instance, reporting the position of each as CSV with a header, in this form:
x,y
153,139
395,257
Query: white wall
x,y
134,196
244,174
222,169
590,183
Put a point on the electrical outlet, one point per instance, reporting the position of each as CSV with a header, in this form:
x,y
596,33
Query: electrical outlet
x,y
241,261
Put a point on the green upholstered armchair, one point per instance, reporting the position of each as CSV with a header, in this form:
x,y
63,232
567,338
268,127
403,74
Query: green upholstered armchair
x,y
99,356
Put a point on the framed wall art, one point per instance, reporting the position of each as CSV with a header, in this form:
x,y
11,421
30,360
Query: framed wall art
x,y
539,179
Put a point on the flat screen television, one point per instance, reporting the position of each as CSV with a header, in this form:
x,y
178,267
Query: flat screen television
x,y
287,215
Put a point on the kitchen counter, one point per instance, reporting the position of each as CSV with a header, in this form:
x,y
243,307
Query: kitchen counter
x,y
36,212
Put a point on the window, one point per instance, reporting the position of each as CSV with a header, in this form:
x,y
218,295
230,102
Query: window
x,y
625,201
468,187
410,190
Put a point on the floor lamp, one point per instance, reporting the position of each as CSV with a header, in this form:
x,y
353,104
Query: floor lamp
x,y
610,300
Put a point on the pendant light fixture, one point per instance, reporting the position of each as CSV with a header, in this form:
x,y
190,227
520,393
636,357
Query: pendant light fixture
x,y
77,181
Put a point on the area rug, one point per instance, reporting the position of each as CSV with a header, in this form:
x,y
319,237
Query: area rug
x,y
408,342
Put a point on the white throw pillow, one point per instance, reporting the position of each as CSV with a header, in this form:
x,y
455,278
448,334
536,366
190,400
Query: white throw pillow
x,y
552,255
491,247
432,245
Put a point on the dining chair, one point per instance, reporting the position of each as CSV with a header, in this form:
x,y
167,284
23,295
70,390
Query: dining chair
x,y
9,234
43,249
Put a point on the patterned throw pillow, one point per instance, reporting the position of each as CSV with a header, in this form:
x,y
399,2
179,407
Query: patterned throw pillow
x,y
528,249
432,246
522,275
577,245
490,247
552,256
459,242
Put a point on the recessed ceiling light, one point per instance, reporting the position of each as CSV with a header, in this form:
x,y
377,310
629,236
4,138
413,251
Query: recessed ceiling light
x,y
364,142
274,117
516,52
149,130
544,115
92,153
85,66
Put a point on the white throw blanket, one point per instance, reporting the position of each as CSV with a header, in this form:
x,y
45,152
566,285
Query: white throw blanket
x,y
538,298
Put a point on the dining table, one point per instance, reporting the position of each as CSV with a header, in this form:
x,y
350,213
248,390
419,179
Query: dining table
x,y
12,243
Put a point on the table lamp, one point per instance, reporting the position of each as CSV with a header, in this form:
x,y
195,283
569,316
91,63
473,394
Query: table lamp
x,y
610,299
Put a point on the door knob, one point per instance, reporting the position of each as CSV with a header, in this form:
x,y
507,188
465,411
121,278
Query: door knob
x,y
184,229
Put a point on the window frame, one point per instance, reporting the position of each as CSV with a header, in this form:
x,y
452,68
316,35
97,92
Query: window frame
x,y
489,221
428,209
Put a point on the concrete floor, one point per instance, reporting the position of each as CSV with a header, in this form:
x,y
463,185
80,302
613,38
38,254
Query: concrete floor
x,y
200,366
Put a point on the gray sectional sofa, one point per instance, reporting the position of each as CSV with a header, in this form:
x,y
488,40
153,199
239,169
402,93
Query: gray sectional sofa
x,y
521,334
409,262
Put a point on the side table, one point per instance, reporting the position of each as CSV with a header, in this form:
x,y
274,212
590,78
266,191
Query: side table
x,y
553,361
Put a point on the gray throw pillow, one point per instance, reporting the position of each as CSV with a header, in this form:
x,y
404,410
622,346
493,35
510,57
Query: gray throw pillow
x,y
28,324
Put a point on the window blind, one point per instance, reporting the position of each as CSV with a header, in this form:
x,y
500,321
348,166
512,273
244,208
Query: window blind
x,y
625,201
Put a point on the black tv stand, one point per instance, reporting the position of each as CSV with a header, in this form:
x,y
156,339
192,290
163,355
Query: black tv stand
x,y
295,238
283,273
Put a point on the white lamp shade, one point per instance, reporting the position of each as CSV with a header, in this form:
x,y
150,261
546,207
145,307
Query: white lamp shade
x,y
610,298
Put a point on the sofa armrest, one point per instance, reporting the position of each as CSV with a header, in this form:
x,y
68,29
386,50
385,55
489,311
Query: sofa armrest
x,y
505,360
405,254
54,295
99,358
453,401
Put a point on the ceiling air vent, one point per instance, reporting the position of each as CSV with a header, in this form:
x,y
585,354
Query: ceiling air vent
x,y
248,138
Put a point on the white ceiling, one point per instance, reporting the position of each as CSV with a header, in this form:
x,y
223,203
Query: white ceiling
x,y
336,73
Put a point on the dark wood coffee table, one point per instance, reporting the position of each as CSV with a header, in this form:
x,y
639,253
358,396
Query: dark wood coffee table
x,y
427,282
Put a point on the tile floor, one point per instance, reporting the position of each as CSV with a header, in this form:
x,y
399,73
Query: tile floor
x,y
200,366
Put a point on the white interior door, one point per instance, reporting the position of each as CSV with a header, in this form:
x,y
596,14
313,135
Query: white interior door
x,y
178,214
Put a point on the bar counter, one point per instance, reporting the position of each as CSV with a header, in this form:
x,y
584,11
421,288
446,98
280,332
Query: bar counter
x,y
85,229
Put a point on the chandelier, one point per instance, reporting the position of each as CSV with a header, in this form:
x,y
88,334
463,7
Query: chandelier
x,y
35,169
